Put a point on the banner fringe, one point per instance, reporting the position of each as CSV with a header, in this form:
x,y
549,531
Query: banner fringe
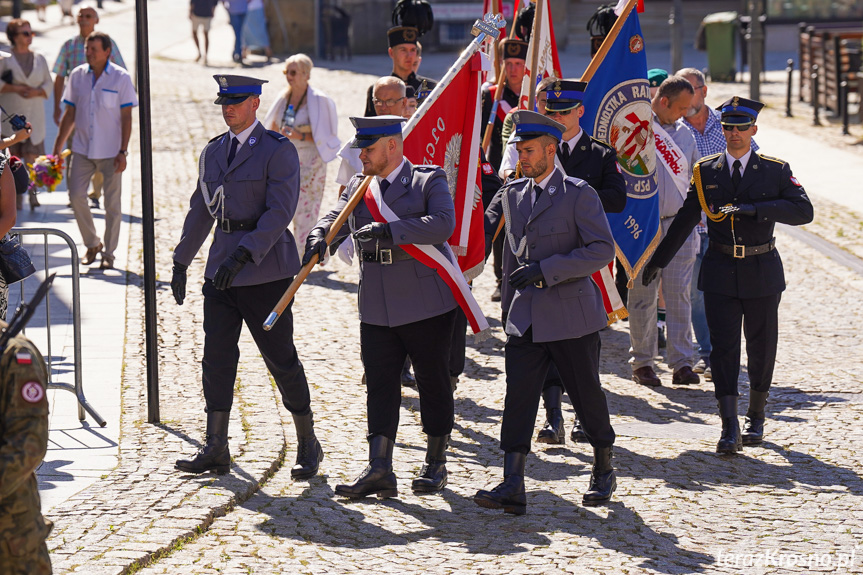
x,y
617,314
482,336
474,272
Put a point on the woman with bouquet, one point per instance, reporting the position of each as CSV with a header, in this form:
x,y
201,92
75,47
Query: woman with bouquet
x,y
25,81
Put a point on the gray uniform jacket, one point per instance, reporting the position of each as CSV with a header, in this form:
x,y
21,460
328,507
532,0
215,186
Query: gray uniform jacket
x,y
406,290
568,234
263,184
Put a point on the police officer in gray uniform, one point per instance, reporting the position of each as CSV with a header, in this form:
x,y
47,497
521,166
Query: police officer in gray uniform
x,y
249,184
405,307
557,235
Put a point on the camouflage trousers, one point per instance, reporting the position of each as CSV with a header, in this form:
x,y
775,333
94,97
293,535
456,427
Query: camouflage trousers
x,y
24,552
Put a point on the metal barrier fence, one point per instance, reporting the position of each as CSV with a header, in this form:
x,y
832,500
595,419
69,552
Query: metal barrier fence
x,y
78,387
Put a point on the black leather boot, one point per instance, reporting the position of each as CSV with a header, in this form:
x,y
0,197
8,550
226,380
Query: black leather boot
x,y
214,455
753,426
553,431
309,452
378,477
603,481
509,495
432,477
408,379
577,434
730,442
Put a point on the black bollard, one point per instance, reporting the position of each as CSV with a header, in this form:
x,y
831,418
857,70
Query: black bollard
x,y
815,96
843,104
790,70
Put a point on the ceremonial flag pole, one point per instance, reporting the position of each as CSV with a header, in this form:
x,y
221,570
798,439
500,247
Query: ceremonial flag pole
x,y
534,50
487,28
482,30
306,269
498,94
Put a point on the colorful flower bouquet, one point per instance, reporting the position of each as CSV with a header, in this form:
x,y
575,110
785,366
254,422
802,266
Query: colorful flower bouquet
x,y
47,171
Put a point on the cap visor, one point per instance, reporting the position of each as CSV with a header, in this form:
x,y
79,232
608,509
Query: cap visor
x,y
363,142
232,99
737,119
560,106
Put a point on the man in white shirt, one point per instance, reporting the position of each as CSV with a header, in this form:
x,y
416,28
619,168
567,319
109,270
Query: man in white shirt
x,y
99,97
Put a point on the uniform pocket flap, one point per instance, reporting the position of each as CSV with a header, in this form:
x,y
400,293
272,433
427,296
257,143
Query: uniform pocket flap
x,y
554,226
27,538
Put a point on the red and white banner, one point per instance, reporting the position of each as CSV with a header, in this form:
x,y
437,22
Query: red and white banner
x,y
548,62
433,258
448,135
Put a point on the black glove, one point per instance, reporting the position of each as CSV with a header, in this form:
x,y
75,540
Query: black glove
x,y
231,267
526,275
739,210
178,282
649,274
316,243
489,242
374,231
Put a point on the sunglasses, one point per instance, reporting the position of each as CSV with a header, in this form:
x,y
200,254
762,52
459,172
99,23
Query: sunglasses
x,y
25,33
558,112
740,127
387,103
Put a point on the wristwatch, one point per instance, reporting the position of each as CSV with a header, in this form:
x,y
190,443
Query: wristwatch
x,y
124,152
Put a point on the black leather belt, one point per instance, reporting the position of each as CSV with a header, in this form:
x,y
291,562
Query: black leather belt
x,y
229,226
740,251
385,256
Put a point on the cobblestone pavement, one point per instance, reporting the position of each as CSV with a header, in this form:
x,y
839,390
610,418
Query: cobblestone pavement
x,y
679,507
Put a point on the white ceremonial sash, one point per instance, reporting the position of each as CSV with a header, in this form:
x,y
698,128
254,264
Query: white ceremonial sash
x,y
430,256
672,159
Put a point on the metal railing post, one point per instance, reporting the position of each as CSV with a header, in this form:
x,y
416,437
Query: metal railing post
x,y
790,70
78,387
815,96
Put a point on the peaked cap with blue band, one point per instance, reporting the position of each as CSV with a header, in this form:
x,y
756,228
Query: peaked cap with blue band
x,y
235,89
563,95
530,125
739,110
370,130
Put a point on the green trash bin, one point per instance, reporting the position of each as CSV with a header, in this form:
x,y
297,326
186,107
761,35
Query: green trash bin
x,y
720,31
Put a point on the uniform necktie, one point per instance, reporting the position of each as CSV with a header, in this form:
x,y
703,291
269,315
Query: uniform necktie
x,y
384,185
233,151
564,152
735,174
537,190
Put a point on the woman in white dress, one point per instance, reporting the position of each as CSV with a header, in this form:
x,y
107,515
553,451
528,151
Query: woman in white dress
x,y
308,118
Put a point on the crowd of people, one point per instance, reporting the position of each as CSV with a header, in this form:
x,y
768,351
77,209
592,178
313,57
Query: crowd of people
x,y
551,186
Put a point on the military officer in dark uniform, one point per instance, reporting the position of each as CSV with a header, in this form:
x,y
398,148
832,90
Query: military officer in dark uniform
x,y
595,162
556,236
514,54
23,443
405,307
744,194
249,184
403,52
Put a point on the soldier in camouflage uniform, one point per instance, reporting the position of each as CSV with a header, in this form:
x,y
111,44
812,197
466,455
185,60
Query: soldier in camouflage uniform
x,y
23,443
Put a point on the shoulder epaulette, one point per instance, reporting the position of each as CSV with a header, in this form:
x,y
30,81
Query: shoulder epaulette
x,y
277,135
516,181
603,144
771,159
426,168
710,157
578,182
222,135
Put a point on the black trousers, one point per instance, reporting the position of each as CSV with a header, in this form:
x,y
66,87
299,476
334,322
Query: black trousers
x,y
527,362
384,349
760,320
459,341
224,314
497,254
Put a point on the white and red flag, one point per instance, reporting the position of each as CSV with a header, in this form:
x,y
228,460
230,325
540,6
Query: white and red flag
x,y
446,133
541,40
